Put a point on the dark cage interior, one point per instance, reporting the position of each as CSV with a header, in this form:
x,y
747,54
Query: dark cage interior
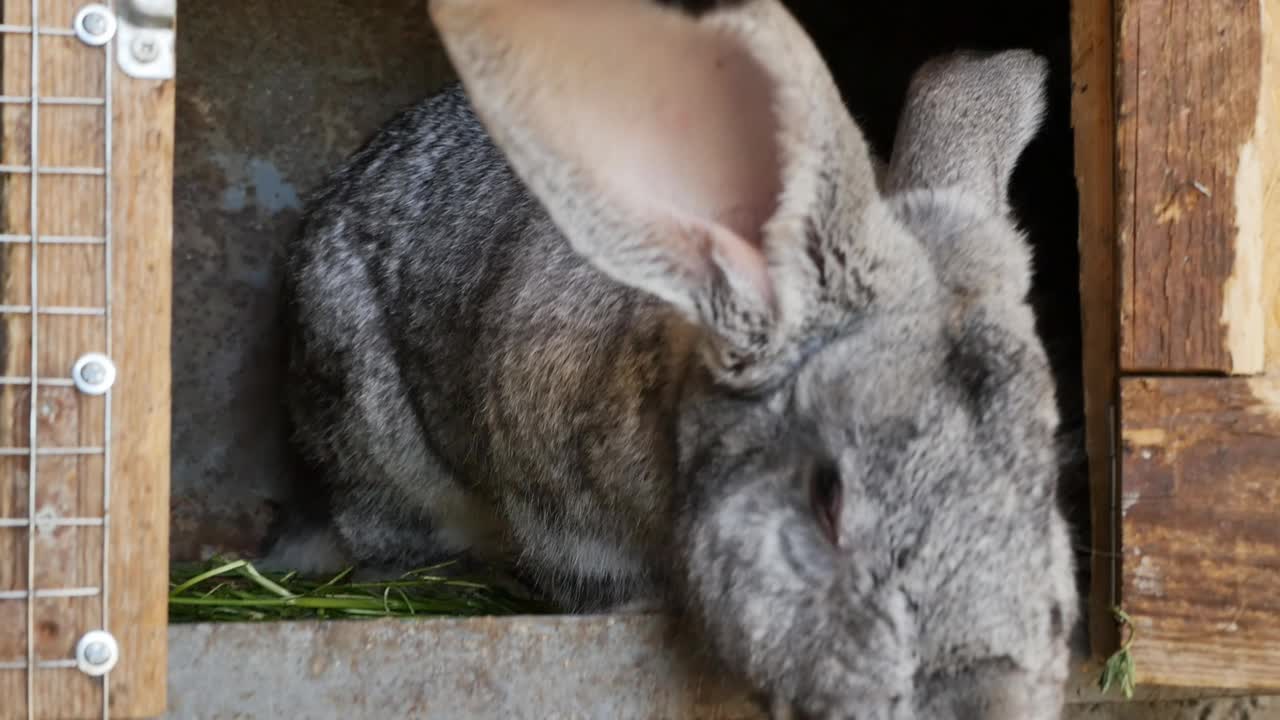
x,y
272,95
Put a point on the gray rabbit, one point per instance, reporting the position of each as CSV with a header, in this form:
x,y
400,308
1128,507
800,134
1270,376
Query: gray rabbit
x,y
634,311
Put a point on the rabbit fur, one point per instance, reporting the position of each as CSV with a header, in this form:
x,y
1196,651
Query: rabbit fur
x,y
632,310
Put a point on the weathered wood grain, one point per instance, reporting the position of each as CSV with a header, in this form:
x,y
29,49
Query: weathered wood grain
x,y
1269,154
1201,560
1192,178
65,276
142,286
15,361
135,278
1093,118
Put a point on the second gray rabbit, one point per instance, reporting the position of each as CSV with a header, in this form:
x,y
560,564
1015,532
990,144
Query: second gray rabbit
x,y
632,311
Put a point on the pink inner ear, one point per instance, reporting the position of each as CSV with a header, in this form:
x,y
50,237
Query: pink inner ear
x,y
701,141
674,119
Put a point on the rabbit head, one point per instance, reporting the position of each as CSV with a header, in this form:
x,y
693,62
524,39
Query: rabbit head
x,y
867,523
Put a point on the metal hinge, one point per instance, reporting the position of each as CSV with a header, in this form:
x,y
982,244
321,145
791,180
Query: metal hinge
x,y
143,31
145,39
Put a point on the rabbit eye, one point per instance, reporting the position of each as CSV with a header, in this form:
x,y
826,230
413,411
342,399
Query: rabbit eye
x,y
825,492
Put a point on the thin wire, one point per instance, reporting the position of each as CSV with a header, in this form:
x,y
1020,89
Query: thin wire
x,y
54,239
52,522
55,100
52,170
35,329
34,31
60,451
52,593
46,382
43,664
52,310
106,304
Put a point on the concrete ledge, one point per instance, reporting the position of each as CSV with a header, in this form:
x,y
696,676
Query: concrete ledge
x,y
537,667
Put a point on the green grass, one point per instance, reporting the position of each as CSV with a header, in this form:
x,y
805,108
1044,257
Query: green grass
x,y
236,591
1120,670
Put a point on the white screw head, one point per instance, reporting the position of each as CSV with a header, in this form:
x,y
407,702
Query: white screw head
x,y
97,653
145,49
95,25
93,374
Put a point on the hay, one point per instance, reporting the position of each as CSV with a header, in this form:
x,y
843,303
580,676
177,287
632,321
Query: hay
x,y
236,591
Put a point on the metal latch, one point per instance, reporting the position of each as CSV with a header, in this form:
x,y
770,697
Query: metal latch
x,y
145,38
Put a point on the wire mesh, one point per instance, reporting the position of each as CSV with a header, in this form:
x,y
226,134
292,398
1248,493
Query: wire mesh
x,y
45,520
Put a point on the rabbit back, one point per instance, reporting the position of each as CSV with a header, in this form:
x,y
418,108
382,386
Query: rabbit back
x,y
462,379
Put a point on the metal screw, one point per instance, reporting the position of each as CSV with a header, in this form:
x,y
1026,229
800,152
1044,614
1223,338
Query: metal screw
x,y
97,653
95,25
145,49
46,521
93,372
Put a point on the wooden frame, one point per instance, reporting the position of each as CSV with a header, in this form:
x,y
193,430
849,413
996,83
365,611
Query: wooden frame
x,y
1178,157
1093,117
89,271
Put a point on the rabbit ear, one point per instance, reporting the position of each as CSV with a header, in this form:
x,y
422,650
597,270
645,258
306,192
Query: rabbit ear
x,y
966,121
688,157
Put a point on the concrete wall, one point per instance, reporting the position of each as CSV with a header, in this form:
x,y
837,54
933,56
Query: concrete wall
x,y
568,667
271,95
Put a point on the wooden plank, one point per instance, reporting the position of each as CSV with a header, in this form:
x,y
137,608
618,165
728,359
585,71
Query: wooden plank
x,y
1191,183
1269,154
15,361
65,276
1093,117
1201,563
142,285
76,276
